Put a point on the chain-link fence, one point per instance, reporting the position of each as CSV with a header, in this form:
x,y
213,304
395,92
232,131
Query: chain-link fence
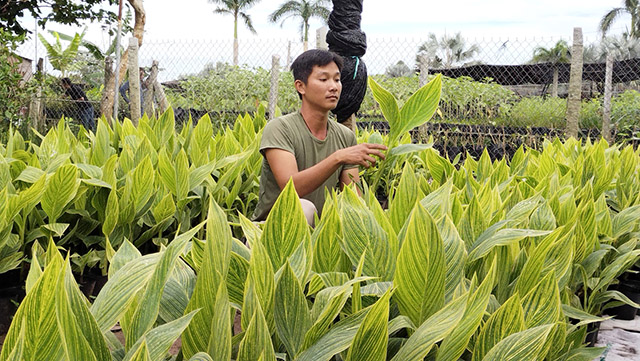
x,y
516,86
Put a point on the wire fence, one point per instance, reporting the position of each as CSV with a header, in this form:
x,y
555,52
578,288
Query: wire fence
x,y
199,78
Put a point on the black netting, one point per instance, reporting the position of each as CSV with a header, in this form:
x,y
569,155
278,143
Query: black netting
x,y
347,39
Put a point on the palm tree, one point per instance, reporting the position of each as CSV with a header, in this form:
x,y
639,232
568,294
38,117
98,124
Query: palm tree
x,y
236,8
558,54
631,7
446,51
304,10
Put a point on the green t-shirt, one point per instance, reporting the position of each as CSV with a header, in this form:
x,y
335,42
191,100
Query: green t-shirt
x,y
290,133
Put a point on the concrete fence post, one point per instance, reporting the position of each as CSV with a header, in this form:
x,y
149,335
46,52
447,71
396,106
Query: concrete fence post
x,y
321,38
424,70
575,85
134,81
273,90
608,90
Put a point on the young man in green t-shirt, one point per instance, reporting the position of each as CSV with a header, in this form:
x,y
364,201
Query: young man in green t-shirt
x,y
306,146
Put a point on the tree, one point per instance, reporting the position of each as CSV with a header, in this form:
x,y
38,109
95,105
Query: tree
x,y
68,12
304,10
237,8
446,51
109,93
62,58
558,54
398,70
631,7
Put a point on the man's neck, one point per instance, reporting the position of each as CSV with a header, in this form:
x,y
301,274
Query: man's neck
x,y
316,121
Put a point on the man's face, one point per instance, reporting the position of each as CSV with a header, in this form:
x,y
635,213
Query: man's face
x,y
323,87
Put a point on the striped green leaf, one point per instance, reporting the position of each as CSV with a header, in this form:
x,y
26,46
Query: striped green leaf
x,y
34,326
454,345
292,317
361,233
455,256
507,320
142,181
120,291
213,273
146,312
503,237
542,304
285,227
370,341
438,201
388,104
522,346
60,190
404,198
433,330
420,272
111,213
141,353
419,108
77,311
625,221
201,356
262,278
325,240
251,231
158,340
336,340
256,343
532,270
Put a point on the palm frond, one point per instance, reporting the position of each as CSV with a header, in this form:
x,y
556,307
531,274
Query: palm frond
x,y
286,10
248,23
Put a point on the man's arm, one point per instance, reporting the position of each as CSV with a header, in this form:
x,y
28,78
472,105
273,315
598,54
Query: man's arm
x,y
283,165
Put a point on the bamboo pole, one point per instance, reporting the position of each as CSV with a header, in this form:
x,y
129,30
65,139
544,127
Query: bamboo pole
x,y
608,90
134,81
575,85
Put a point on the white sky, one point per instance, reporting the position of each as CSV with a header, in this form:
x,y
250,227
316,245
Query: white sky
x,y
495,19
478,21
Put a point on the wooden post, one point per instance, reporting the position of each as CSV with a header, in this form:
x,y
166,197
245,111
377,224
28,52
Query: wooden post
x,y
288,55
147,103
134,81
106,102
575,85
158,92
608,90
273,91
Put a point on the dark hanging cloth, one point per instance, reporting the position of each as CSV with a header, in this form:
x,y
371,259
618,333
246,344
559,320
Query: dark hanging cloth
x,y
347,39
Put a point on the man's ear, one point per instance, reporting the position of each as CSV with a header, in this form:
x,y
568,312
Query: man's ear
x,y
300,86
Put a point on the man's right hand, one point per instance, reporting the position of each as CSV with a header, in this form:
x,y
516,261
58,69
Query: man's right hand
x,y
361,154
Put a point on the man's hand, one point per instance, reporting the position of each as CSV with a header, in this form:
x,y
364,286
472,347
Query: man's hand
x,y
361,154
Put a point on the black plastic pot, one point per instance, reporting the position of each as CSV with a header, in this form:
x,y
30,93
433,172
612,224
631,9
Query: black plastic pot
x,y
631,289
592,334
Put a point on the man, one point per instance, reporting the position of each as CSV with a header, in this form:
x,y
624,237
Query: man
x,y
84,109
308,148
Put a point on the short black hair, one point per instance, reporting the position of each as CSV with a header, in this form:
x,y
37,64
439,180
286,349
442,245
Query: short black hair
x,y
65,81
304,63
